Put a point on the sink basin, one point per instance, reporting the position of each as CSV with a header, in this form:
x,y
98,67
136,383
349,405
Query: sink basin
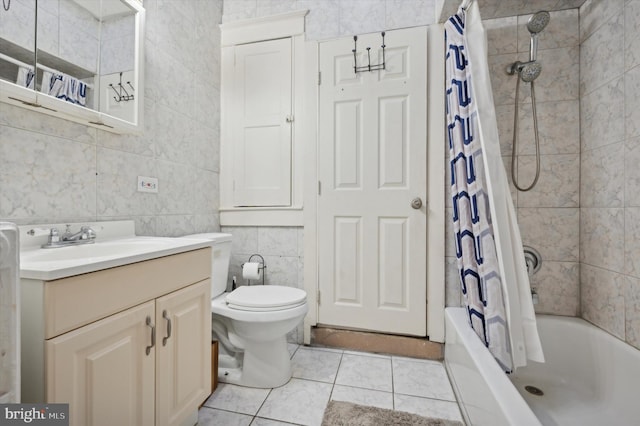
x,y
97,250
60,262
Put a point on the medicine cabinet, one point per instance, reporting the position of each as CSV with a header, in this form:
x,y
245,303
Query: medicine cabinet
x,y
80,60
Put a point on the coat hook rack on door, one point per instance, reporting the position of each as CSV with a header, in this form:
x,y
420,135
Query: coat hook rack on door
x,y
369,66
121,93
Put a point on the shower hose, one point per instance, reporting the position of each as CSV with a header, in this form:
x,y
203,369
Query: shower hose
x,y
514,149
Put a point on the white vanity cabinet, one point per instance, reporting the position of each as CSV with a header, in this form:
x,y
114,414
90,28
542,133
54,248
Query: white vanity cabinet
x,y
129,345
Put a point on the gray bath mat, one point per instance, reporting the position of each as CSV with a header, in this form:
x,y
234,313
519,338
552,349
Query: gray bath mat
x,y
339,413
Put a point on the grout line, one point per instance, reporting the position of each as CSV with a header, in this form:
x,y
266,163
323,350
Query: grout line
x,y
393,388
262,405
333,385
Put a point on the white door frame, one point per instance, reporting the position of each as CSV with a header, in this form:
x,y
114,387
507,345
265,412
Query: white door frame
x,y
435,185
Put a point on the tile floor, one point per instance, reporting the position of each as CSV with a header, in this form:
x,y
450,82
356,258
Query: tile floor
x,y
321,374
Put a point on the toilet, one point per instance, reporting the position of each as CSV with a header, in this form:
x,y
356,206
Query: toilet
x,y
251,323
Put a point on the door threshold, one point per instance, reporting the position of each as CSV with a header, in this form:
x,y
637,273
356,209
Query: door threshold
x,y
414,347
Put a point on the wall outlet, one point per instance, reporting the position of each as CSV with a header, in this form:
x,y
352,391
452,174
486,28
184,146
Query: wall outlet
x,y
147,184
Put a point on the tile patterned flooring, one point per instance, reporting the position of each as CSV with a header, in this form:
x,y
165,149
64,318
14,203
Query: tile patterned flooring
x,y
322,374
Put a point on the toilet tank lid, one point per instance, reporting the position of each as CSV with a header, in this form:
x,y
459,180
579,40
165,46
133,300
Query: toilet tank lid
x,y
266,296
217,237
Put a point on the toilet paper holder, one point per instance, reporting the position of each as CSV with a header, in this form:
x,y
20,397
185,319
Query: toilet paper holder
x,y
263,266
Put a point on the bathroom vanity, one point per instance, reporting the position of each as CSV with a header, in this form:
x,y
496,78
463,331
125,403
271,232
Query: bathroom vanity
x,y
125,345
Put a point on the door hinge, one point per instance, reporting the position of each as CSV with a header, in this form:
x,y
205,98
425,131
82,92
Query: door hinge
x,y
318,297
319,78
319,188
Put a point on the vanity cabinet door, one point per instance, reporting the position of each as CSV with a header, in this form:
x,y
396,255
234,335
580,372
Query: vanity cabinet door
x,y
183,352
105,365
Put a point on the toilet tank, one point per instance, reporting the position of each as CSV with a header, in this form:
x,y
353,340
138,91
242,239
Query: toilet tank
x,y
220,256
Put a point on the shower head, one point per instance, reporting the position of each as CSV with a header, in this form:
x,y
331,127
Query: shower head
x,y
530,71
535,25
527,71
538,22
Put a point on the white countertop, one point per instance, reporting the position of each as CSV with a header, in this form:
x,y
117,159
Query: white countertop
x,y
116,249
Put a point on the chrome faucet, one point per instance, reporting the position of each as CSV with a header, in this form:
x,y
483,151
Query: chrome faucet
x,y
85,235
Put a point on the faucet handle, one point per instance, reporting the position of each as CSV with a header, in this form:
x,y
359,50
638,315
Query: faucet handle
x,y
39,232
54,236
88,233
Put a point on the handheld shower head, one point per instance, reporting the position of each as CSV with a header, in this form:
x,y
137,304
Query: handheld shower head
x,y
538,22
527,71
535,25
530,71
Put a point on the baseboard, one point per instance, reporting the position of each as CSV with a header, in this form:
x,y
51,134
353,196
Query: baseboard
x,y
415,347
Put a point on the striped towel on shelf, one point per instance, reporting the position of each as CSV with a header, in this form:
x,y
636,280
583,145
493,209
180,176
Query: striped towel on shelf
x,y
25,77
64,87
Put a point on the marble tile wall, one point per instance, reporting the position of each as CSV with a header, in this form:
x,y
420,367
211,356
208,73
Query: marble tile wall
x,y
549,214
337,18
500,8
53,170
610,138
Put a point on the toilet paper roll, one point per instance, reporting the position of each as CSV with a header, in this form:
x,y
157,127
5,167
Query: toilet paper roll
x,y
251,271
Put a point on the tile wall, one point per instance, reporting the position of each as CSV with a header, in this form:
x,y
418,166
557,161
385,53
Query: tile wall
x,y
336,18
610,137
53,170
549,214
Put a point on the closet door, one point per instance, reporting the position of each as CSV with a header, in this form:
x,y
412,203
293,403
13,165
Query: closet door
x,y
261,126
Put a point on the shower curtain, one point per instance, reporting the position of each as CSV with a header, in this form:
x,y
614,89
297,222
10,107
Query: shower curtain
x,y
490,258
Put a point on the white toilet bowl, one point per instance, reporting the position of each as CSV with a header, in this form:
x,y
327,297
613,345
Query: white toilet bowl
x,y
251,324
257,333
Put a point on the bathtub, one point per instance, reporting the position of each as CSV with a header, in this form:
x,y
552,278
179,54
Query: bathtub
x,y
589,377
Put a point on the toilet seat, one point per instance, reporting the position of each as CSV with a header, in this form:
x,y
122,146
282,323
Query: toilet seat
x,y
264,298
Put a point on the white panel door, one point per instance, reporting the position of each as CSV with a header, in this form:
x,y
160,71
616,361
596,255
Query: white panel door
x,y
261,129
371,165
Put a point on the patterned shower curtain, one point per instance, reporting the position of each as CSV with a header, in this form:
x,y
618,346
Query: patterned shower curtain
x,y
490,259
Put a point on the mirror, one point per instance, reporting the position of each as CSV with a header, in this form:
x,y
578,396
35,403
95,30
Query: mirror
x,y
86,54
17,41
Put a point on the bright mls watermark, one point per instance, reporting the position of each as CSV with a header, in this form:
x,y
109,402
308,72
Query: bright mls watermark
x,y
34,414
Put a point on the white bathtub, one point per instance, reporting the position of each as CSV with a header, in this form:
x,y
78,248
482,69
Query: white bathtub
x,y
589,377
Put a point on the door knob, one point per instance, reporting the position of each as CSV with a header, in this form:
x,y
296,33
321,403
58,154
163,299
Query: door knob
x,y
416,203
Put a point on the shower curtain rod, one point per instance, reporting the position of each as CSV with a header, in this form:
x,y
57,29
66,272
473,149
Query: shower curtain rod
x,y
40,66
